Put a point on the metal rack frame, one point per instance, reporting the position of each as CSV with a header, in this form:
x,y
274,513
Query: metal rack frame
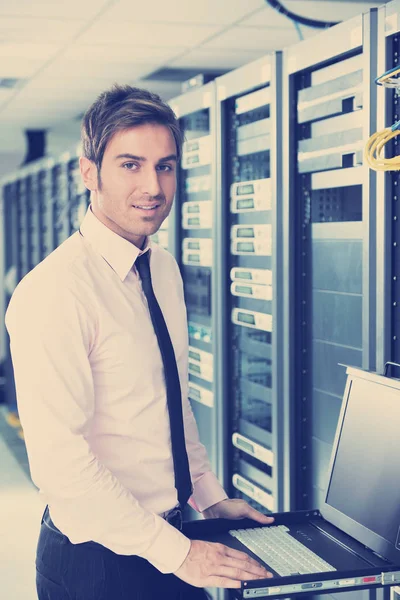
x,y
332,47
251,77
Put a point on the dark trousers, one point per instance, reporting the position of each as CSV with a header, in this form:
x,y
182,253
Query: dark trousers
x,y
89,571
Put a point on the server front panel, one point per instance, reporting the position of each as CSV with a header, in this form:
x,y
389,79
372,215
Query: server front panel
x,y
250,297
328,203
196,249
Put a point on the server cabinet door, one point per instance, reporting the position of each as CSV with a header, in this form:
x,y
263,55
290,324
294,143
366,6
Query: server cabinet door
x,y
388,214
250,205
194,230
330,214
78,196
60,193
46,209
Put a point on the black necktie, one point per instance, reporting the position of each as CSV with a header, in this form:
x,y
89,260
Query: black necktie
x,y
183,482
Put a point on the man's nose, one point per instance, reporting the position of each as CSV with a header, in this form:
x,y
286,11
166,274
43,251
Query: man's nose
x,y
150,183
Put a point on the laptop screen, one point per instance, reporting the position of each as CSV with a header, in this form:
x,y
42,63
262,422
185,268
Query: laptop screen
x,y
365,478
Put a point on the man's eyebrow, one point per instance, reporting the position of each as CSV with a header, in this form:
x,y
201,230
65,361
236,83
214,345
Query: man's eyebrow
x,y
140,158
170,157
143,158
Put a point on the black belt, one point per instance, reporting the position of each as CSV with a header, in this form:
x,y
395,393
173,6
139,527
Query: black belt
x,y
174,518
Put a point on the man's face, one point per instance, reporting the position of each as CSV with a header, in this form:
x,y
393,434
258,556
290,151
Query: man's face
x,y
134,190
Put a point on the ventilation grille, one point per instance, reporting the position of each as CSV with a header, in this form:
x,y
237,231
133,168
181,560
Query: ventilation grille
x,y
8,83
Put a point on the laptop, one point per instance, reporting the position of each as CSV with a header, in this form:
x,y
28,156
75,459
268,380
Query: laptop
x,y
353,541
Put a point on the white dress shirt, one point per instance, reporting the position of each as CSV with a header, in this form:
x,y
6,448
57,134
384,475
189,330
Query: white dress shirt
x,y
92,397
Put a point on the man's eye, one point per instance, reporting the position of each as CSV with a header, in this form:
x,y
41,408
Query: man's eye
x,y
129,166
165,168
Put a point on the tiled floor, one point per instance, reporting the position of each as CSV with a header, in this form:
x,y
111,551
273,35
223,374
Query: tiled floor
x,y
20,513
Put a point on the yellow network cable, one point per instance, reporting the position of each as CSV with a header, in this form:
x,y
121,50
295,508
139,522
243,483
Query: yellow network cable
x,y
374,150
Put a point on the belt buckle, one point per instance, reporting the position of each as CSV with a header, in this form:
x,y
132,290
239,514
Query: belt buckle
x,y
174,518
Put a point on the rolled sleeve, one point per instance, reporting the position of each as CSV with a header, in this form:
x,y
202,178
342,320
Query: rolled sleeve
x,y
169,549
207,491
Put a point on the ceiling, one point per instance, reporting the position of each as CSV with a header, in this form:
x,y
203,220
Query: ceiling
x,y
63,54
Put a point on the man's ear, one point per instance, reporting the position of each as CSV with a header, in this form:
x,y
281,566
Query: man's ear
x,y
89,173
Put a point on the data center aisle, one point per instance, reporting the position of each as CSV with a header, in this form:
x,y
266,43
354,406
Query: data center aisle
x,y
20,513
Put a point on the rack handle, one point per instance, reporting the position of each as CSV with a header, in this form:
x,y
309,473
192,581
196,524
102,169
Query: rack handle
x,y
390,364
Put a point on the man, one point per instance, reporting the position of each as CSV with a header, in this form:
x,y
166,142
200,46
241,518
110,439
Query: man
x,y
101,423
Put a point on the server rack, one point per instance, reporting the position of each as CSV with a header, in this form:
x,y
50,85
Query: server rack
x,y
330,236
61,197
42,204
10,262
193,231
46,210
388,215
252,418
78,196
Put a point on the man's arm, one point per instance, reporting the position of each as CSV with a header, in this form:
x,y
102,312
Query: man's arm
x,y
52,333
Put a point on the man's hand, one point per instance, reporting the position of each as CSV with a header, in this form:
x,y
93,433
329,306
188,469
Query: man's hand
x,y
215,565
235,509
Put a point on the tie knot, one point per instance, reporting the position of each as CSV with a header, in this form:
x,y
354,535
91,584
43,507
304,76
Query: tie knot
x,y
143,266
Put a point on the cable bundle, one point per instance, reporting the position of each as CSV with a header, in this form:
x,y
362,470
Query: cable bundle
x,y
374,149
373,153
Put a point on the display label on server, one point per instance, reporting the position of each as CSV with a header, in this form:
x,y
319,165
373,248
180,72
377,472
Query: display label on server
x,y
251,290
197,215
201,363
196,153
262,454
251,318
258,276
200,394
251,239
250,196
253,491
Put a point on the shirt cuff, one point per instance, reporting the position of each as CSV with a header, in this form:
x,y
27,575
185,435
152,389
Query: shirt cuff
x,y
169,550
207,491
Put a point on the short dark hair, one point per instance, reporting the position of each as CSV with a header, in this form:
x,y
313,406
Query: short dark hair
x,y
120,108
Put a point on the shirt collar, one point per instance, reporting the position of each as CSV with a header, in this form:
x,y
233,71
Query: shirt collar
x,y
119,253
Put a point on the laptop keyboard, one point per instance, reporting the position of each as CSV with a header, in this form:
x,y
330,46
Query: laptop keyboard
x,y
283,553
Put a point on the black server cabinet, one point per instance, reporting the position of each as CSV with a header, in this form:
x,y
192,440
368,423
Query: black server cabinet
x,y
78,196
60,193
388,197
33,216
330,241
192,234
46,208
11,248
23,236
250,328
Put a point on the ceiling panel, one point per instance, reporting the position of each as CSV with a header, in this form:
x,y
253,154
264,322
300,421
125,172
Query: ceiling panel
x,y
134,34
22,50
5,94
207,58
50,8
218,12
266,17
321,10
328,10
99,70
252,38
52,31
123,53
18,67
42,119
81,86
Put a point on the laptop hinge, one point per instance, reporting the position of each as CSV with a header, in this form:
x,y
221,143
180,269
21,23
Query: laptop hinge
x,y
390,578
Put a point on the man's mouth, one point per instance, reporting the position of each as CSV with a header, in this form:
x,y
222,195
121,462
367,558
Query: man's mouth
x,y
148,207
